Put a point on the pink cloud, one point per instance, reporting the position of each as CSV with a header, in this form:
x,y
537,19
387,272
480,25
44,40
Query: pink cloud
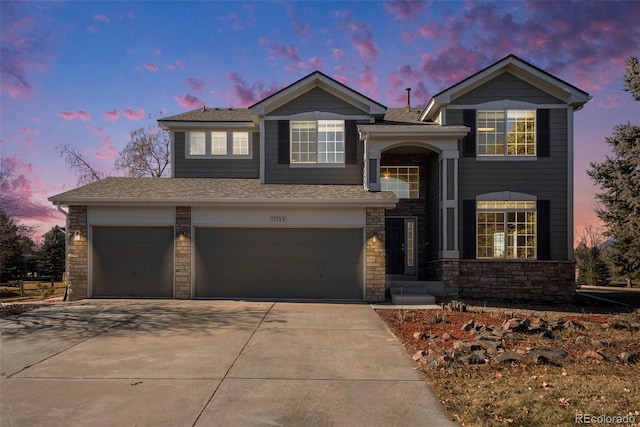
x,y
101,18
316,62
405,9
188,101
170,67
407,37
610,101
338,54
302,30
106,150
151,67
130,114
196,84
72,115
403,77
180,64
244,94
428,31
112,115
278,51
360,36
369,82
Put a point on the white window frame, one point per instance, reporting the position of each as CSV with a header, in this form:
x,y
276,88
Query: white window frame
x,y
505,119
387,172
210,153
316,144
508,245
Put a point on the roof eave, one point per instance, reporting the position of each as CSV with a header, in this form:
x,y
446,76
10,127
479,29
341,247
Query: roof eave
x,y
190,124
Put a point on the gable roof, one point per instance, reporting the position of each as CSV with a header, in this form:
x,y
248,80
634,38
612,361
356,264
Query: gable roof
x,y
208,116
522,69
317,79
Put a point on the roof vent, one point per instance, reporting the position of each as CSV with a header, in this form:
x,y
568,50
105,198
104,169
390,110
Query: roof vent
x,y
408,107
204,108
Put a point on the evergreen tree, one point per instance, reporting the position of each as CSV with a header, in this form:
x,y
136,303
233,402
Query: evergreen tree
x,y
592,268
632,77
51,254
16,245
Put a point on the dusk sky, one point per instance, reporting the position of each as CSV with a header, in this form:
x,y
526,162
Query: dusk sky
x,y
86,73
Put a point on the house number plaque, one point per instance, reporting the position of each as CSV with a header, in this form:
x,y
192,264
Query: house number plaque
x,y
278,218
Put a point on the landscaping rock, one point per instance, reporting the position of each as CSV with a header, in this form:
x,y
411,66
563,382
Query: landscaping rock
x,y
420,335
508,357
489,343
550,353
446,336
590,354
467,327
434,348
631,358
583,340
418,355
570,324
537,324
516,325
547,334
475,358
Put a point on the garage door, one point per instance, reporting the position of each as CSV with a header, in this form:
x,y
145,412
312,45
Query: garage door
x,y
133,262
278,263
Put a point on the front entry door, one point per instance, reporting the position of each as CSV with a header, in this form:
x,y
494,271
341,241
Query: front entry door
x,y
400,238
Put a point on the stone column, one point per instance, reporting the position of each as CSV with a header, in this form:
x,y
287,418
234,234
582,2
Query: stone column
x,y
77,252
183,253
375,255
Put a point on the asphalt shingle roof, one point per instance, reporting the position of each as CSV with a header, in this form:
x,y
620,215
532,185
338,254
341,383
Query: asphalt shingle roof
x,y
210,114
191,191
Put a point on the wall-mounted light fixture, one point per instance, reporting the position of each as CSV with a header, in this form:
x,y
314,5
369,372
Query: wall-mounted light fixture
x,y
374,236
77,235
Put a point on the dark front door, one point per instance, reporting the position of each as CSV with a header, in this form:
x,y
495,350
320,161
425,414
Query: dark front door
x,y
400,245
394,245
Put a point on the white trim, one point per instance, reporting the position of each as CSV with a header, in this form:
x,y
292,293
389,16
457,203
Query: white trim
x,y
505,158
337,117
297,165
208,145
498,105
275,202
292,217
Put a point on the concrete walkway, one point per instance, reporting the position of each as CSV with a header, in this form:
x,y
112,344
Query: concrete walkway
x,y
208,363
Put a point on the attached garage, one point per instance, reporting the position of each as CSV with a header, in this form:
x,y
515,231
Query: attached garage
x,y
132,262
279,263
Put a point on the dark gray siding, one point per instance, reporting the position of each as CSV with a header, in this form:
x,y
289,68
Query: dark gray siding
x,y
317,100
545,178
506,86
214,168
284,174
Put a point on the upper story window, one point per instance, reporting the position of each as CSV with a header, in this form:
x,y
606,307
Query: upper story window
x,y
219,144
317,142
506,229
404,181
506,132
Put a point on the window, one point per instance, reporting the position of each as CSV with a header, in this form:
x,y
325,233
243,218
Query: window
x,y
197,144
506,132
404,181
218,144
506,229
317,142
240,143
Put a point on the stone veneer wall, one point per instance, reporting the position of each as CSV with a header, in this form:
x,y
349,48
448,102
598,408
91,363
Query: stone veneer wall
x,y
375,255
183,253
77,252
510,279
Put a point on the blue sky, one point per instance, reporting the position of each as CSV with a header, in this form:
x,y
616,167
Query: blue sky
x,y
86,73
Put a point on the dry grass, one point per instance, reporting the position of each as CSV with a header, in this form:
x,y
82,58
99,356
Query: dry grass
x,y
524,393
32,291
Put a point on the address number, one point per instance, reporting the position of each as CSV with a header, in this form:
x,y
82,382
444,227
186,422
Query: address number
x,y
278,218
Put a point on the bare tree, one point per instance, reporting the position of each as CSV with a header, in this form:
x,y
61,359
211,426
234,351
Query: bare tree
x,y
147,154
6,172
78,163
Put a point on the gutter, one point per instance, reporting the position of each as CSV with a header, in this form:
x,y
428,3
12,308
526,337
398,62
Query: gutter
x,y
65,213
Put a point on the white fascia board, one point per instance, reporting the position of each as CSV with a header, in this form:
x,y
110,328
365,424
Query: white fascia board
x,y
208,125
316,80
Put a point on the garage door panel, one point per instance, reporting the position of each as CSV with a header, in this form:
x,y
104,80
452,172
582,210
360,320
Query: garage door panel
x,y
279,263
132,262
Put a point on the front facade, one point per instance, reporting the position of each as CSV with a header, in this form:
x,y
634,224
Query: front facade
x,y
318,192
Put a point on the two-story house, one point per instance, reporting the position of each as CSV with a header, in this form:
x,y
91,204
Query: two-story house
x,y
319,192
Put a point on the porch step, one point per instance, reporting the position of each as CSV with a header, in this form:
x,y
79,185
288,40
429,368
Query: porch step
x,y
415,293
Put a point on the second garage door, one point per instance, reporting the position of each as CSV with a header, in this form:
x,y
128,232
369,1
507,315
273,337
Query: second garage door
x,y
278,263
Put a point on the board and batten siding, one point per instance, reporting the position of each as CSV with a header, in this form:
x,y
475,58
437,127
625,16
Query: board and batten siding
x,y
214,168
506,86
546,177
277,172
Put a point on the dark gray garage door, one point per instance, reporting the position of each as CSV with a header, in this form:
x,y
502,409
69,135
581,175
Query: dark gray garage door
x,y
278,263
133,262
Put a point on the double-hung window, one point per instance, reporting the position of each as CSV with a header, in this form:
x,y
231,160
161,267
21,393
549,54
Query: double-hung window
x,y
506,229
506,132
404,181
218,144
317,142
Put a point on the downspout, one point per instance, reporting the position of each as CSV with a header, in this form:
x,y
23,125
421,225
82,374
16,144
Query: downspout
x,y
66,251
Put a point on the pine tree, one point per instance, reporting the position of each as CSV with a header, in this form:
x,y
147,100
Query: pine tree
x,y
51,254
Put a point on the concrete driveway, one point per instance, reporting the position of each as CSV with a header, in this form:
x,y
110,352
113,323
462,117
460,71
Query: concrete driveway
x,y
208,363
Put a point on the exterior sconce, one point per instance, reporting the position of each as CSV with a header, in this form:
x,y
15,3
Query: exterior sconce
x,y
374,237
77,235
